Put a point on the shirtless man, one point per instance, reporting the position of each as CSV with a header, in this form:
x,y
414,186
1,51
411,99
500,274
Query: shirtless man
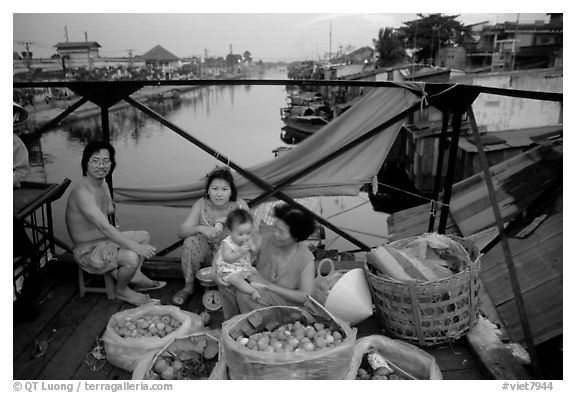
x,y
98,246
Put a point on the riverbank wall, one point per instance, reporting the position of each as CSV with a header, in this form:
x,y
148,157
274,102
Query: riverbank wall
x,y
41,113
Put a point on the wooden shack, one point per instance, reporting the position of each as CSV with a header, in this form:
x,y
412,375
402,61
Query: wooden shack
x,y
421,149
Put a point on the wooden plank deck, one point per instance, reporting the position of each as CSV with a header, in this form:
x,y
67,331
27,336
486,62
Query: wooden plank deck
x,y
71,326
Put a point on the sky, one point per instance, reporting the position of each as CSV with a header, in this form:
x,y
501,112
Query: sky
x,y
271,36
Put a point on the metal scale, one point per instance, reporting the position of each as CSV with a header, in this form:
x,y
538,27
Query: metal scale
x,y
211,298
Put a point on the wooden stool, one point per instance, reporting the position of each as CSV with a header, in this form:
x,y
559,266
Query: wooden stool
x,y
109,287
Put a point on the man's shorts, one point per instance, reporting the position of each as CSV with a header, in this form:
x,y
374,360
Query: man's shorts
x,y
99,258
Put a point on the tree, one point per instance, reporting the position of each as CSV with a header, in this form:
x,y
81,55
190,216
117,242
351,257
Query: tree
x,y
389,47
247,57
432,32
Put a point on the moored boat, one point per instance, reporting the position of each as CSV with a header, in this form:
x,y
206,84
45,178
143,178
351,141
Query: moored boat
x,y
305,124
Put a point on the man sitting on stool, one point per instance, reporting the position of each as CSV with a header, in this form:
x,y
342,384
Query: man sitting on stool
x,y
98,246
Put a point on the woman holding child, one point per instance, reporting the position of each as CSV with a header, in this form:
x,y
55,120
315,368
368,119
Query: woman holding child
x,y
204,229
284,264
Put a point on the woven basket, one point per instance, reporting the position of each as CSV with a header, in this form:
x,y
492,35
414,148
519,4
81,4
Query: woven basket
x,y
428,313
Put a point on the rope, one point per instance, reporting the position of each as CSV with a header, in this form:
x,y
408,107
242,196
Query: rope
x,y
332,242
423,99
347,210
416,195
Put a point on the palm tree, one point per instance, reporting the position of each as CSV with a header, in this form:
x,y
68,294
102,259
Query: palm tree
x,y
389,47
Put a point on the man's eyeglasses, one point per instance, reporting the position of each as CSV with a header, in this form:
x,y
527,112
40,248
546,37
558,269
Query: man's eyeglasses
x,y
98,162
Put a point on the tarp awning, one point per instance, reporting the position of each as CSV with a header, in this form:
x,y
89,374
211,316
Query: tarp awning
x,y
342,176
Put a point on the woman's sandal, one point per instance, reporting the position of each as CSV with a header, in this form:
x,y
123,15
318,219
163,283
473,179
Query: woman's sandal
x,y
181,297
155,285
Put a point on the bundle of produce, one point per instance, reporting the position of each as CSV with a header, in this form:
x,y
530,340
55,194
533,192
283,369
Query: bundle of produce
x,y
426,288
185,358
131,334
283,342
428,257
380,357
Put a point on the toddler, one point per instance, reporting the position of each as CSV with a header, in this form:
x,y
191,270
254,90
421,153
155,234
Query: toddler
x,y
234,257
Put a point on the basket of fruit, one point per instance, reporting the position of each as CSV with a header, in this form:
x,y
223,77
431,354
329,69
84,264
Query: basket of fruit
x,y
283,342
131,334
426,288
185,358
380,357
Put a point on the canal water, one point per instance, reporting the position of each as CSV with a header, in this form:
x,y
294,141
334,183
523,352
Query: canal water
x,y
241,122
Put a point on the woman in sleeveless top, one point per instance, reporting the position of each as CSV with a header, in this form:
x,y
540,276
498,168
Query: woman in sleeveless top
x,y
284,263
203,229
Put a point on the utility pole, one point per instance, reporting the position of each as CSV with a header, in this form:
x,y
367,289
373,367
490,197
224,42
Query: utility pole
x,y
89,57
515,38
205,58
330,50
130,51
66,33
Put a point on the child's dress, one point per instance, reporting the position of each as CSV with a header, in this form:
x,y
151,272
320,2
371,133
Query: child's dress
x,y
242,265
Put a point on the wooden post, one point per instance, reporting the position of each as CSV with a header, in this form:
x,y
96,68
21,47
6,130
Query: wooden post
x,y
106,138
505,247
439,170
456,126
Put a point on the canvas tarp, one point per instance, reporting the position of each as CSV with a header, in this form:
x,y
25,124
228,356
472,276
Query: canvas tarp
x,y
342,176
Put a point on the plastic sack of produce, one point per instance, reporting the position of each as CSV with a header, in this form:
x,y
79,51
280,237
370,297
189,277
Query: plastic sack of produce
x,y
131,334
186,358
283,342
380,357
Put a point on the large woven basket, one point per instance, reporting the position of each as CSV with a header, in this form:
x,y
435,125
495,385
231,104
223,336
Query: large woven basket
x,y
428,313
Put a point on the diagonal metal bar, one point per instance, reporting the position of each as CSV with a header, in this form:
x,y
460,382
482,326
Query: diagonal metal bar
x,y
305,171
247,174
505,246
55,121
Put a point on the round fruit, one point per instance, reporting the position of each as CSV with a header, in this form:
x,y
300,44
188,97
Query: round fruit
x,y
310,332
177,365
159,365
362,374
168,373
